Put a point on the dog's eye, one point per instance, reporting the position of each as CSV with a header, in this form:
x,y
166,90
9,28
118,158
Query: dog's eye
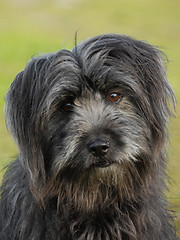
x,y
68,106
114,97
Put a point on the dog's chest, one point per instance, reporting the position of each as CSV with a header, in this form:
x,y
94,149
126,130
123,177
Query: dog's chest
x,y
96,226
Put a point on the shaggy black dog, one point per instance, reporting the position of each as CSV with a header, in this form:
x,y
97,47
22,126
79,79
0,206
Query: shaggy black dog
x,y
90,125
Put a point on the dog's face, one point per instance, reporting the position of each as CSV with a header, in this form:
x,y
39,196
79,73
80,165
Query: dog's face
x,y
95,127
96,115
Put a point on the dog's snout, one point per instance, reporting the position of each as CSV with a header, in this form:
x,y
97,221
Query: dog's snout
x,y
98,147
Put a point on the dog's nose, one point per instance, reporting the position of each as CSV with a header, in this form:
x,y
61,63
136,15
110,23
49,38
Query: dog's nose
x,y
99,148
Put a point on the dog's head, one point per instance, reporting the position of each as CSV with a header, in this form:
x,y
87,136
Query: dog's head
x,y
94,114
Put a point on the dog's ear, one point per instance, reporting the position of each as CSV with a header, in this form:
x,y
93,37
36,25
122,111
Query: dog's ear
x,y
23,111
157,96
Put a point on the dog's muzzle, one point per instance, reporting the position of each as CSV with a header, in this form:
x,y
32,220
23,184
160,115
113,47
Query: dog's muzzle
x,y
99,149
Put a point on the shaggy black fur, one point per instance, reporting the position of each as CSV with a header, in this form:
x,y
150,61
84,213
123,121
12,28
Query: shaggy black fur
x,y
90,125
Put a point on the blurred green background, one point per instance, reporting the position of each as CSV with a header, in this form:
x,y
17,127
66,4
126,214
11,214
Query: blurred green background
x,y
29,27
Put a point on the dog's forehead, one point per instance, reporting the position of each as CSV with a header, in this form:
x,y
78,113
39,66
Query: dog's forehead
x,y
74,76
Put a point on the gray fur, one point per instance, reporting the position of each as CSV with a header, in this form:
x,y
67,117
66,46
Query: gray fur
x,y
59,106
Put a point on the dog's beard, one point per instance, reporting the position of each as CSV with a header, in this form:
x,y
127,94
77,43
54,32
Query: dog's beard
x,y
77,176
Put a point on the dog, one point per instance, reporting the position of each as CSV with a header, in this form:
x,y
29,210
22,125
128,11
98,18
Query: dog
x,y
91,129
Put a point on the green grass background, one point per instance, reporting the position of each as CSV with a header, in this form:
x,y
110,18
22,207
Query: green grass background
x,y
28,27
